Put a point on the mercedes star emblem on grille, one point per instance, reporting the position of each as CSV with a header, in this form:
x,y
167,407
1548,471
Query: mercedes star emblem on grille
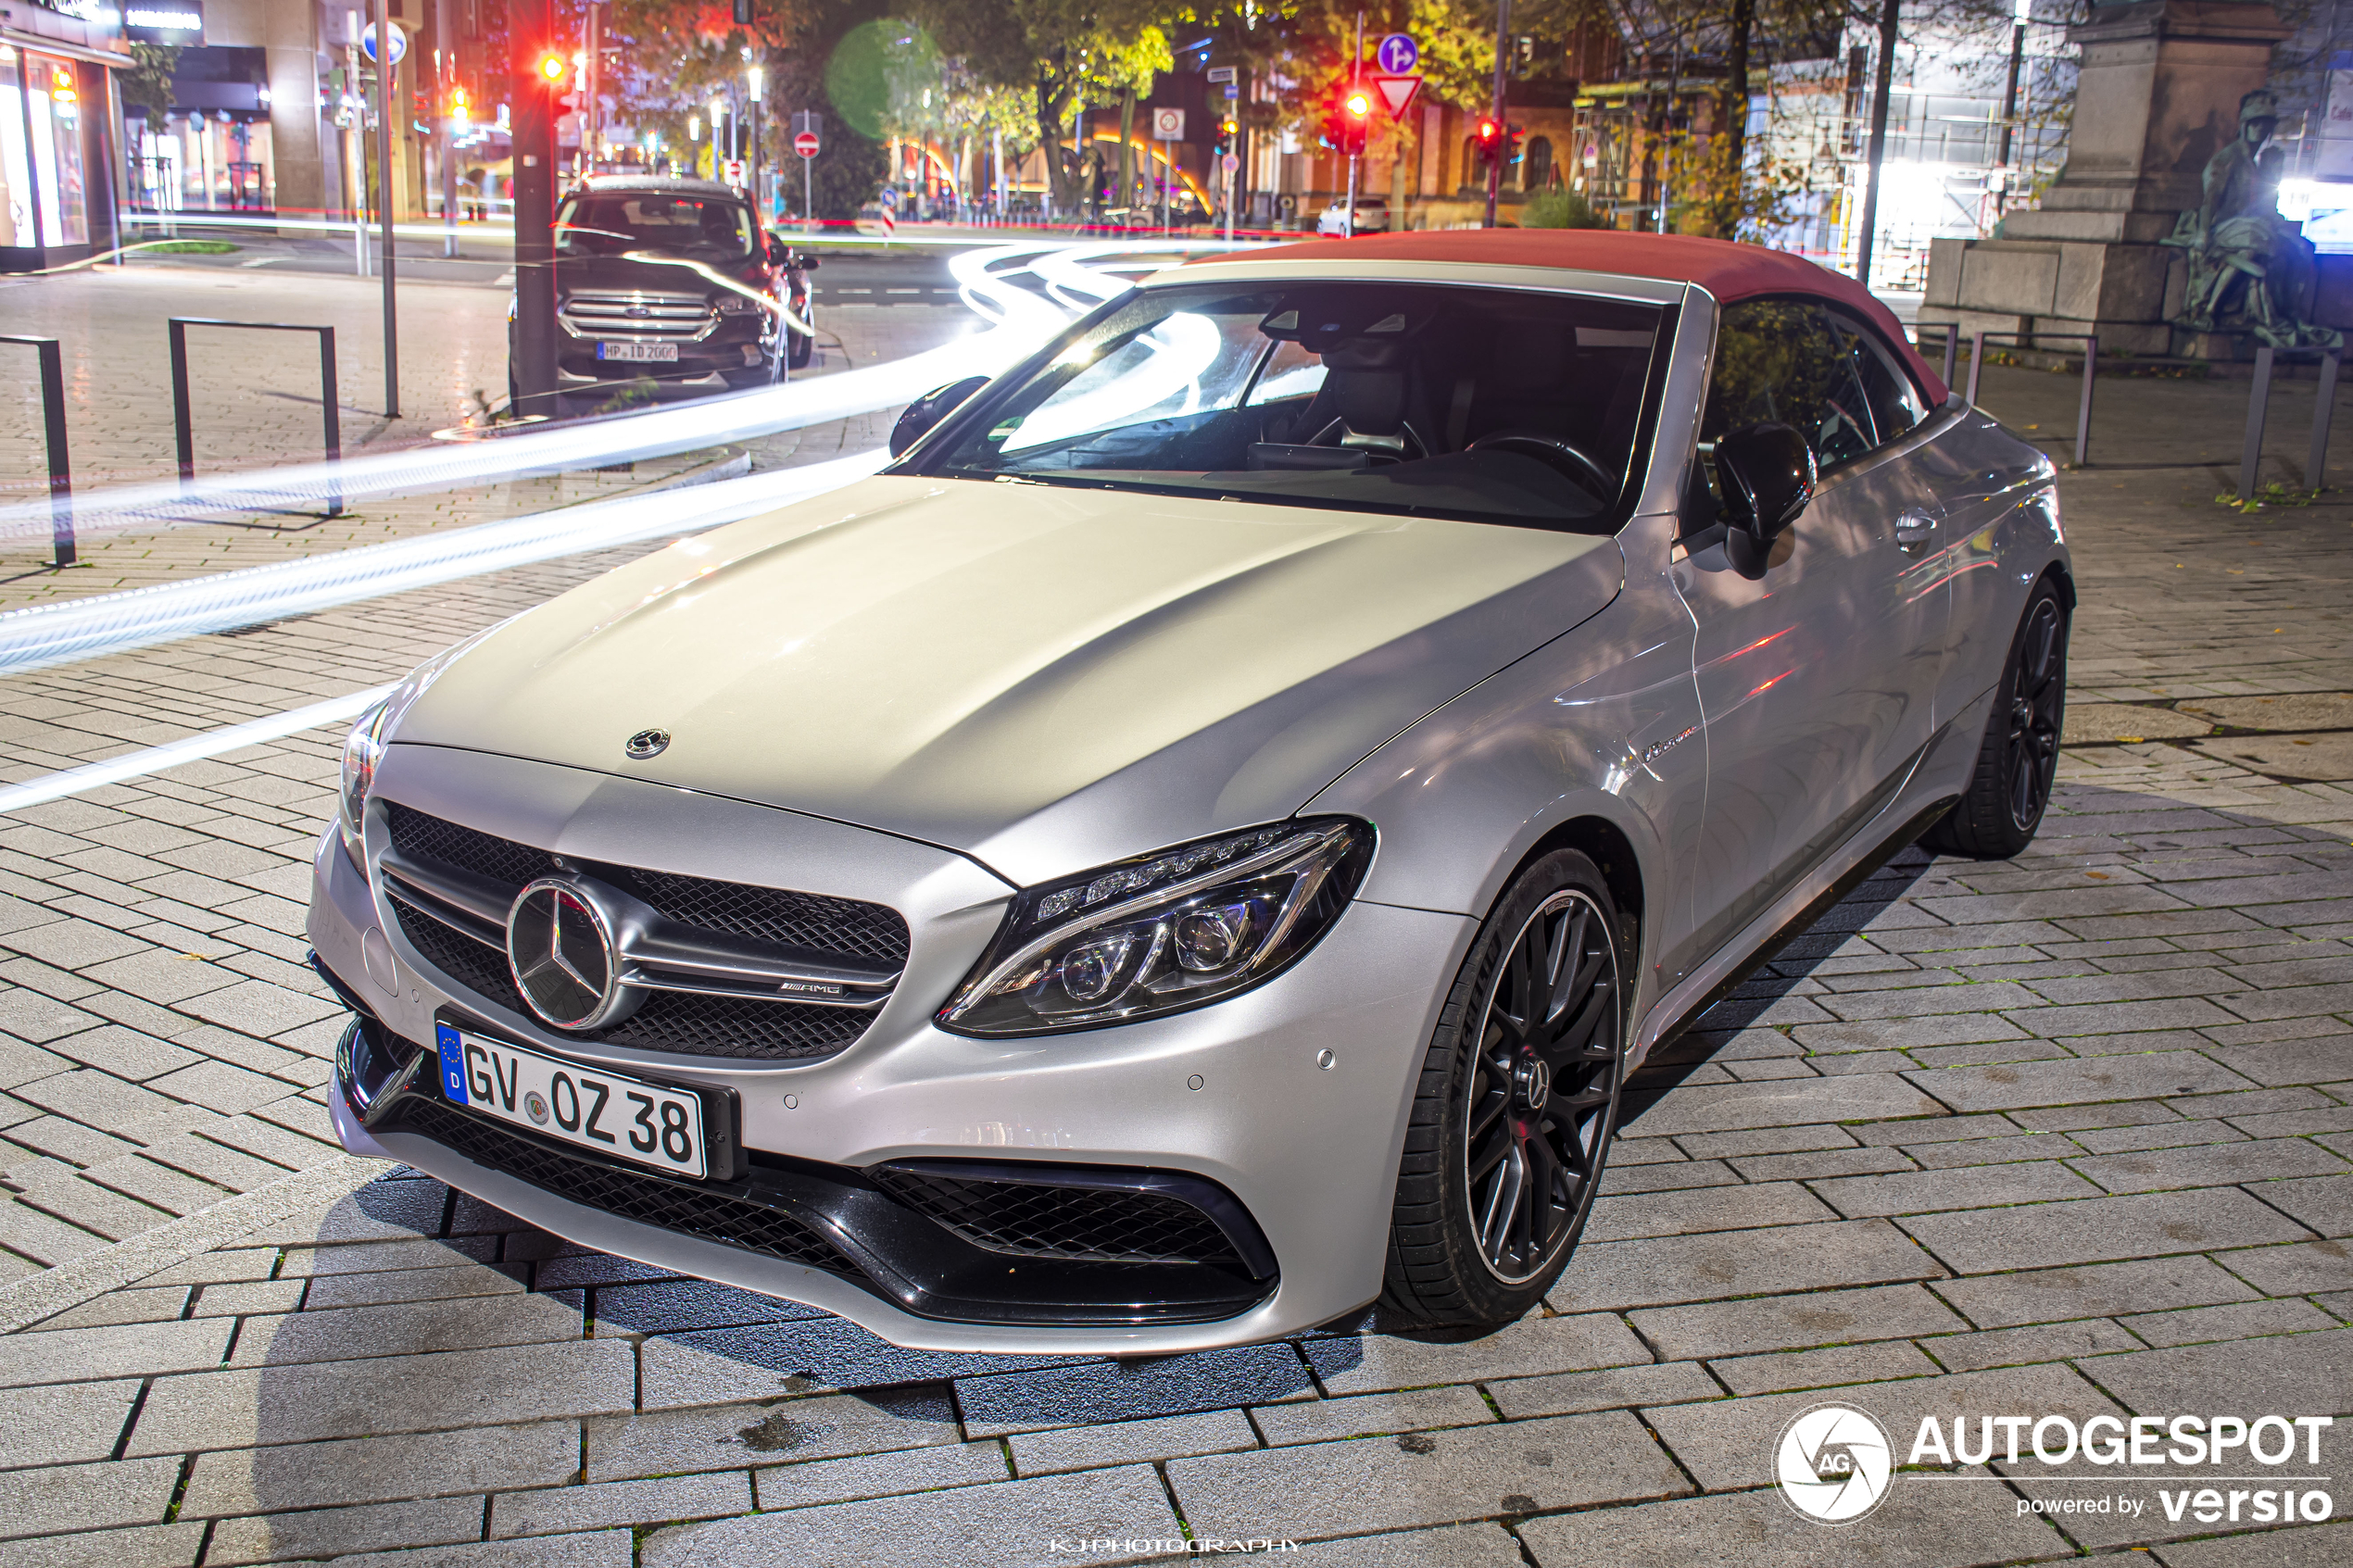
x,y
559,943
647,742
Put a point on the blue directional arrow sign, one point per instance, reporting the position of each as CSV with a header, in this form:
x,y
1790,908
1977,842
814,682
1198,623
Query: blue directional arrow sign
x,y
1398,55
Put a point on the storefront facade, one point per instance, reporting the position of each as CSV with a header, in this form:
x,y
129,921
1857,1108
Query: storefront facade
x,y
58,146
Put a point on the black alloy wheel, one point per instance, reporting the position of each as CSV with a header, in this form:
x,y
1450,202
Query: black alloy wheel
x,y
2018,760
2037,704
1519,1102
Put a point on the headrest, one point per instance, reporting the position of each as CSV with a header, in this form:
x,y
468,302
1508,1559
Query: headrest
x,y
1372,402
1363,354
1532,356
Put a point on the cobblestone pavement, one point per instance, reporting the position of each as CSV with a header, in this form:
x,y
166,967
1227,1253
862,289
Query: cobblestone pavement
x,y
2070,1135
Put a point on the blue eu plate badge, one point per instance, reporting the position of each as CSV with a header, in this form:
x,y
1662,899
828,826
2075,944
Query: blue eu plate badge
x,y
452,1050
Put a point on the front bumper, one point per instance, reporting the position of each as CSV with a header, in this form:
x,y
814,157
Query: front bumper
x,y
1308,1152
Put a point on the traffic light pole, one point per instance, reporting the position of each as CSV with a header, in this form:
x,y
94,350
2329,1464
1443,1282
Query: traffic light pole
x,y
1356,83
1495,164
384,201
531,97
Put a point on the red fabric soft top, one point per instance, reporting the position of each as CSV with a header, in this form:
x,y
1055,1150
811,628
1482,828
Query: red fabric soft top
x,y
1726,270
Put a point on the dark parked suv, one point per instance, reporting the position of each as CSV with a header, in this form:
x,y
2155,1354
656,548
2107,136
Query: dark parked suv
x,y
671,282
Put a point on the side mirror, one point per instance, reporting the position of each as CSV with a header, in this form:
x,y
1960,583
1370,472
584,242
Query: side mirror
x,y
1767,472
807,262
928,410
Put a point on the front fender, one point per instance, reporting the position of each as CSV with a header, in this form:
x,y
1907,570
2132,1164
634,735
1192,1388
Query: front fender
x,y
1602,724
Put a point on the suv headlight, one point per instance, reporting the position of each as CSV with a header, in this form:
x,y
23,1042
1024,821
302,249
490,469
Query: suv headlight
x,y
1163,933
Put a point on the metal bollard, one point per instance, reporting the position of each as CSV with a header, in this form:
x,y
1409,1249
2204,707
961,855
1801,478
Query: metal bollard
x,y
1975,363
2083,410
2323,412
52,423
1952,352
2256,397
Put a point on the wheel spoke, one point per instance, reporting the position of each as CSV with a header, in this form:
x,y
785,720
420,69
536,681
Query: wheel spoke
x,y
1536,1101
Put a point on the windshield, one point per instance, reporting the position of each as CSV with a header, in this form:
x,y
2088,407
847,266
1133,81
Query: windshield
x,y
609,223
1491,405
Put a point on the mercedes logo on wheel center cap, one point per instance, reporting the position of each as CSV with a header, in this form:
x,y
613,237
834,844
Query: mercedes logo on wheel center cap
x,y
646,743
559,946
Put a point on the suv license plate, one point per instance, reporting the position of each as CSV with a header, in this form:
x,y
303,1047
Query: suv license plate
x,y
619,1117
664,351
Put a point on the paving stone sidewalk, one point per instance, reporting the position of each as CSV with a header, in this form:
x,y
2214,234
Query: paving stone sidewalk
x,y
2071,1134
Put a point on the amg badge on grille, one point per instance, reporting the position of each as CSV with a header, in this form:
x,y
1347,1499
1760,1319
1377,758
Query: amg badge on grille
x,y
647,742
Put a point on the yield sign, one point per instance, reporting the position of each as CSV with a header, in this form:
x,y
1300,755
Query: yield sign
x,y
1397,92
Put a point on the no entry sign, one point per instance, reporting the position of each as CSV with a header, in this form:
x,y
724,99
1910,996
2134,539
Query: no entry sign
x,y
805,143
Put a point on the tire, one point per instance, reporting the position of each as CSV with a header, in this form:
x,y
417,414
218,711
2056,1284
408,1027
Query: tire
x,y
2011,783
804,348
1472,1130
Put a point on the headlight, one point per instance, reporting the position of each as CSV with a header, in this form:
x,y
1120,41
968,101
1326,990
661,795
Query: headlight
x,y
361,750
1164,933
364,748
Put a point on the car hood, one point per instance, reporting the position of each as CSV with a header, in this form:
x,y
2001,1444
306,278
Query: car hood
x,y
1044,678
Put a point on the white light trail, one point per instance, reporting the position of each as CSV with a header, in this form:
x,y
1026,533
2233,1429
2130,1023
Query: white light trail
x,y
1024,321
78,629
195,748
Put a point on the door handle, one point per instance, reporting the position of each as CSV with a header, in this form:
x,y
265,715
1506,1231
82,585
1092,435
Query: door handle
x,y
1913,530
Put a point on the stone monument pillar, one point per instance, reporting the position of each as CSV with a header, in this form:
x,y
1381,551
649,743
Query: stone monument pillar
x,y
2157,96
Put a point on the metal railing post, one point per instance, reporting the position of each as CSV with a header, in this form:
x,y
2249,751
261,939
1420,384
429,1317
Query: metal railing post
x,y
53,429
183,430
182,434
334,415
2323,412
1975,363
2258,395
2083,410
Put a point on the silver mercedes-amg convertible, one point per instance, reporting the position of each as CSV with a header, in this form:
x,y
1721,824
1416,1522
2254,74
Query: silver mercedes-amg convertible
x,y
1196,847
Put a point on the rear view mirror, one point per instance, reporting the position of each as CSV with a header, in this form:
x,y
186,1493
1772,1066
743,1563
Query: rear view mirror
x,y
928,410
1766,474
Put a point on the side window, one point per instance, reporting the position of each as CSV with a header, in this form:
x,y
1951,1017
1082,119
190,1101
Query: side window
x,y
1895,403
1781,359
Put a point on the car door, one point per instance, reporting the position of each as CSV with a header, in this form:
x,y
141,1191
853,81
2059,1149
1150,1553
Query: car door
x,y
1817,673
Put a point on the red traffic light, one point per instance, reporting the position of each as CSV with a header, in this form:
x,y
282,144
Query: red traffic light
x,y
1487,132
552,67
1359,105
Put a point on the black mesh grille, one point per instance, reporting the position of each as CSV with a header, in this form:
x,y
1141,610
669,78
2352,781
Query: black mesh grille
x,y
670,1021
429,838
650,1200
741,1027
1082,1224
480,969
793,920
771,914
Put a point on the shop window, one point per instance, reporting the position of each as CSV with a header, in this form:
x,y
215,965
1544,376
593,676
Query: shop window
x,y
53,174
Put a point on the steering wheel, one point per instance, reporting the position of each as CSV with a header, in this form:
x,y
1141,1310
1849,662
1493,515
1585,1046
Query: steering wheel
x,y
1550,450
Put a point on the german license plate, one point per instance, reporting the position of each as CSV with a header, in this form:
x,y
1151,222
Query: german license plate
x,y
665,351
621,1117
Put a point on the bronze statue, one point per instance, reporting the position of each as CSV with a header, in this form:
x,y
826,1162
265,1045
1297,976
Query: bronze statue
x,y
2251,270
